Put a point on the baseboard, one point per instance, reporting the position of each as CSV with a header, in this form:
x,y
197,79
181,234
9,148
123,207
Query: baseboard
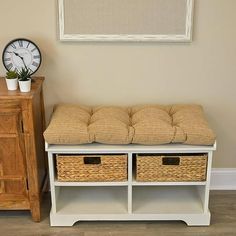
x,y
223,179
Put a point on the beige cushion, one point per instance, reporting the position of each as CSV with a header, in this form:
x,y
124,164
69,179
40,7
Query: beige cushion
x,y
149,125
68,125
110,125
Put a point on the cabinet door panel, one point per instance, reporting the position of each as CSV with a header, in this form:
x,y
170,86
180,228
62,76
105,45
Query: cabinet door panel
x,y
9,117
12,170
12,158
8,123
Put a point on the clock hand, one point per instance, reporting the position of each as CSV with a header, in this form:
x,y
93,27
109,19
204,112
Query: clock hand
x,y
22,58
18,55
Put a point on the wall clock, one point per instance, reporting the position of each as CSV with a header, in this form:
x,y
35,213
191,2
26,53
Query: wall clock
x,y
20,53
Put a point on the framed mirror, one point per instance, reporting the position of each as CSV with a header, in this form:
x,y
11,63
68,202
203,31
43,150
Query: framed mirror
x,y
126,20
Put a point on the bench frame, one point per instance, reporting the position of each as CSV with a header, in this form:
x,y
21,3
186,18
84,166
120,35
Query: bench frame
x,y
129,200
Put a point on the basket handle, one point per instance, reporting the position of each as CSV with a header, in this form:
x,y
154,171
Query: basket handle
x,y
170,161
92,160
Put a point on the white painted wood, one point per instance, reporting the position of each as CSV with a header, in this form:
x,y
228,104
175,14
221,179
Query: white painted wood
x,y
57,194
190,219
135,183
186,37
166,200
92,200
125,38
52,178
134,148
58,183
205,192
129,200
130,178
189,20
201,191
61,19
223,179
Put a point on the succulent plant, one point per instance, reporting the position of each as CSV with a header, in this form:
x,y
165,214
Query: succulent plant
x,y
11,75
24,74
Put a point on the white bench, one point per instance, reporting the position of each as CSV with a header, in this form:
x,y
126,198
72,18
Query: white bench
x,y
129,200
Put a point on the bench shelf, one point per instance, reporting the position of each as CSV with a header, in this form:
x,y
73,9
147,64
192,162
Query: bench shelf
x,y
128,200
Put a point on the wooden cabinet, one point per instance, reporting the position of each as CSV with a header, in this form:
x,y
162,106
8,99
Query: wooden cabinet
x,y
23,172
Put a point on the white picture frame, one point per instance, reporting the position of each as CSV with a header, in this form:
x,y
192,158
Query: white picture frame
x,y
64,35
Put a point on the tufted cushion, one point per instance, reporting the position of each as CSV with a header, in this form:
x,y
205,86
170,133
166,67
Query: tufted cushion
x,y
69,124
149,125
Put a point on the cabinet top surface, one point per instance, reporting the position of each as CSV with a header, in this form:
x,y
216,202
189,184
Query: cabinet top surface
x,y
35,87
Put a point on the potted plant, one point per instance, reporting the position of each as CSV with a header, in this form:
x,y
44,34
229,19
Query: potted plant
x,y
24,79
12,80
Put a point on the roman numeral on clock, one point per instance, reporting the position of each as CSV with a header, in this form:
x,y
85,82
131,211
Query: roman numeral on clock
x,y
36,57
20,43
35,64
13,45
7,59
9,66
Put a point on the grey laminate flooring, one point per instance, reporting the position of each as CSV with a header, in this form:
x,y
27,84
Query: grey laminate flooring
x,y
223,222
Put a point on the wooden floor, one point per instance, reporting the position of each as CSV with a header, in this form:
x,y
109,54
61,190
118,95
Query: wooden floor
x,y
222,206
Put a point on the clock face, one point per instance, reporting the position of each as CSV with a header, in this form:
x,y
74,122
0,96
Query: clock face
x,y
21,53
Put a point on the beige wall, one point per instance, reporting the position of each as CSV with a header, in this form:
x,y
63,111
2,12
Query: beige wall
x,y
203,71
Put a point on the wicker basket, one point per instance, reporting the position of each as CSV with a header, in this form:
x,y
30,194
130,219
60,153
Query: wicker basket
x,y
171,168
95,168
